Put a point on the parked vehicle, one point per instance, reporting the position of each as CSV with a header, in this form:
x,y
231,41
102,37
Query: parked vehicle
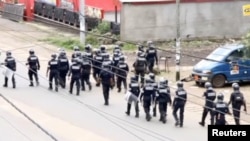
x,y
225,64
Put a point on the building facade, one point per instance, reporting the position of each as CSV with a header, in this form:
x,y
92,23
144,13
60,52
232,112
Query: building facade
x,y
143,20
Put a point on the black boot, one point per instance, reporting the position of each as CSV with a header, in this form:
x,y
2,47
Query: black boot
x,y
31,84
56,89
154,111
90,87
148,117
5,82
136,110
128,109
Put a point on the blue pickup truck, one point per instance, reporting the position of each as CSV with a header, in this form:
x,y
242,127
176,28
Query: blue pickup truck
x,y
226,64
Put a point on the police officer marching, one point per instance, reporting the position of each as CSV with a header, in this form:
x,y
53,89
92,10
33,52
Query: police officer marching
x,y
140,66
53,71
154,83
147,94
122,70
220,109
237,99
134,88
107,79
210,96
179,104
88,52
75,74
97,65
10,63
76,52
86,70
164,98
151,56
34,66
63,63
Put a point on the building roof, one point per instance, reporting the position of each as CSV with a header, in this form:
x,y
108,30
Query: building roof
x,y
105,5
145,0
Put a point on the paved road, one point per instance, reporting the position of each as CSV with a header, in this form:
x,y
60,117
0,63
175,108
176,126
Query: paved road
x,y
46,115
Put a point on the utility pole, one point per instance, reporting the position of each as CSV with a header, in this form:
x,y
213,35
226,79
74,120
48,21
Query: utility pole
x,y
82,21
178,41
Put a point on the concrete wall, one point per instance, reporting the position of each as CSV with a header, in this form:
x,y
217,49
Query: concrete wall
x,y
208,19
110,16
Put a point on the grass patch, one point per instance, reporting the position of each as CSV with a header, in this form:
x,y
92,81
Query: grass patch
x,y
129,47
63,42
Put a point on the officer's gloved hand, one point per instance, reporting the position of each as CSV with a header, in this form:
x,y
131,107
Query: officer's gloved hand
x,y
245,109
38,68
111,87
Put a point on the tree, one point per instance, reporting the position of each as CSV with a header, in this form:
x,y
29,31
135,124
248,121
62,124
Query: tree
x,y
246,42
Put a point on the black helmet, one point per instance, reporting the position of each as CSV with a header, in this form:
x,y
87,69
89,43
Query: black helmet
x,y
76,48
220,96
8,53
148,80
53,55
88,47
179,84
62,53
121,58
207,85
236,86
152,76
31,51
102,48
163,81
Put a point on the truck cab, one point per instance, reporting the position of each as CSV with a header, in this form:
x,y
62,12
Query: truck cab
x,y
226,64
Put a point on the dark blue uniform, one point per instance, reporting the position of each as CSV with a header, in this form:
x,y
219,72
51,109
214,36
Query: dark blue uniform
x,y
220,109
151,56
53,69
147,95
75,73
179,104
85,74
10,63
140,68
122,70
107,82
163,98
34,65
237,99
97,65
134,88
63,69
210,96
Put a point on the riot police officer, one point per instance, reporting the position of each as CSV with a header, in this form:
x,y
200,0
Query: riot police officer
x,y
10,63
140,66
106,78
97,64
122,70
116,57
154,83
210,96
76,51
53,71
140,49
34,66
179,104
151,56
237,99
75,74
134,88
163,98
220,109
103,50
88,52
108,63
63,63
147,93
86,70
117,48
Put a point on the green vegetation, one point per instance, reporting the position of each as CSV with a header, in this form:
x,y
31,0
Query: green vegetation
x,y
63,42
103,27
246,42
128,47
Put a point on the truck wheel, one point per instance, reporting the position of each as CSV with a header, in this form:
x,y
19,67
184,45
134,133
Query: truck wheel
x,y
218,81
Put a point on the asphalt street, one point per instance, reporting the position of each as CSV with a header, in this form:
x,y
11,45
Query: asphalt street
x,y
37,114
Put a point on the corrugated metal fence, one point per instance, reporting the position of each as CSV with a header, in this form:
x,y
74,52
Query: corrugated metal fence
x,y
13,12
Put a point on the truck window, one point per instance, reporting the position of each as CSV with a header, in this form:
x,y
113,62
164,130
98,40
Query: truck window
x,y
235,55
